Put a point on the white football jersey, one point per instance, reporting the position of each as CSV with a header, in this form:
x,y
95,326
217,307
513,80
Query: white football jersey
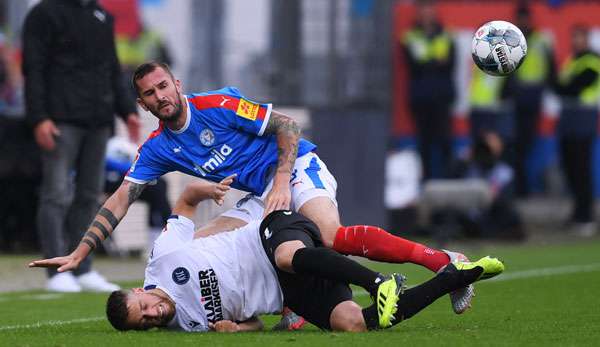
x,y
224,276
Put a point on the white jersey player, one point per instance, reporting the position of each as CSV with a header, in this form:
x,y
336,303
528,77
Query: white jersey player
x,y
224,282
223,277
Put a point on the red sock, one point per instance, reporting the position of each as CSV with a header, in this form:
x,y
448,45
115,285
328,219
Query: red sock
x,y
377,244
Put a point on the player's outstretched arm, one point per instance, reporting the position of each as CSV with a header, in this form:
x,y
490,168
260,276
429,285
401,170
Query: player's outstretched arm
x,y
103,225
227,326
201,190
287,132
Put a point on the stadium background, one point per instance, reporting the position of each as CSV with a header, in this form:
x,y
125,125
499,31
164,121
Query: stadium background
x,y
332,64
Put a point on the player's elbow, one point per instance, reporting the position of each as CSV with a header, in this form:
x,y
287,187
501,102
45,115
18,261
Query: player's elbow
x,y
284,124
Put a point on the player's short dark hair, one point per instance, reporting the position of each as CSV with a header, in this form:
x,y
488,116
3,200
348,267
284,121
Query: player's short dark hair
x,y
116,310
147,68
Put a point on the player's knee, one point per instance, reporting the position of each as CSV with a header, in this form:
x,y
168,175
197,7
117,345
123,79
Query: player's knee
x,y
323,212
347,316
328,232
284,254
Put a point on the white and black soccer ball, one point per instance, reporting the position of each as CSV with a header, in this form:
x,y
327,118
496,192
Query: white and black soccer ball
x,y
498,48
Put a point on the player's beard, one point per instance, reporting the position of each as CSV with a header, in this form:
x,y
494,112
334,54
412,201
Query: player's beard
x,y
172,116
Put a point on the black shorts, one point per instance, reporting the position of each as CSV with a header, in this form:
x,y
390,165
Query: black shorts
x,y
308,296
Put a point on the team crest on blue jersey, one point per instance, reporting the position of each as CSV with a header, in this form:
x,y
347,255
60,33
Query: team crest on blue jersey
x,y
207,137
180,275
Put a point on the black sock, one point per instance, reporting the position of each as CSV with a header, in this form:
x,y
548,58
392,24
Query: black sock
x,y
326,263
371,317
415,299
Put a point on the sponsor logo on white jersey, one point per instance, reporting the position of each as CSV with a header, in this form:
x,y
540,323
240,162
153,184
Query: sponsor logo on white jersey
x,y
217,158
211,297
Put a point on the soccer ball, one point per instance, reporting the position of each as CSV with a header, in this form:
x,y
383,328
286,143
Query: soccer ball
x,y
498,48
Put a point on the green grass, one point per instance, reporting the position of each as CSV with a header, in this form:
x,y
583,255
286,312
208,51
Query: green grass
x,y
536,309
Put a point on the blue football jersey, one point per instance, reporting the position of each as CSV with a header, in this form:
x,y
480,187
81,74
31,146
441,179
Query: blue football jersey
x,y
223,135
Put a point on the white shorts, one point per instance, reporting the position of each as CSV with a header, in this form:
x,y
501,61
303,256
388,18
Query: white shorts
x,y
310,179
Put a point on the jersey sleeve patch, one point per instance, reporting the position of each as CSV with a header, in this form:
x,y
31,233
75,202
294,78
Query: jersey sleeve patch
x,y
247,109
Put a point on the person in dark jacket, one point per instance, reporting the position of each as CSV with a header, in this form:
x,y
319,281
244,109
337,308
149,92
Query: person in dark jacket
x,y
430,55
579,89
526,88
73,88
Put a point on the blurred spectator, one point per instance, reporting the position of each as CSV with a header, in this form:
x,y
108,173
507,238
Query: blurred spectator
x,y
120,154
11,82
429,51
138,48
478,202
488,112
73,87
19,175
525,89
579,88
402,190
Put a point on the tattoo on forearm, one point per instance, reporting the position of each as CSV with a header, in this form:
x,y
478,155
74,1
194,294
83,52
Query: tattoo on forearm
x,y
89,243
134,192
287,150
90,235
92,238
286,156
102,229
110,217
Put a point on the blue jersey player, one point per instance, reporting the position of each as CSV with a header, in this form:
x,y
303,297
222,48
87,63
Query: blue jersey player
x,y
220,133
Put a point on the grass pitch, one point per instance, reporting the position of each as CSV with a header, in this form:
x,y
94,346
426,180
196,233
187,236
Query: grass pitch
x,y
547,296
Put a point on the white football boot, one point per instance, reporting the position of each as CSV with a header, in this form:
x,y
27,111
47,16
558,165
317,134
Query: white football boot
x,y
460,298
94,282
63,282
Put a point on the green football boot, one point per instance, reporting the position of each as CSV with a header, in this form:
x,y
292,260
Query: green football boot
x,y
388,294
491,267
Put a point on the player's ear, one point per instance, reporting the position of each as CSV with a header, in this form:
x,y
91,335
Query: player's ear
x,y
142,104
178,85
137,290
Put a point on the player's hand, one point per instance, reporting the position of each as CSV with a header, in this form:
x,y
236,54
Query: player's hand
x,y
224,326
279,197
66,263
44,133
221,188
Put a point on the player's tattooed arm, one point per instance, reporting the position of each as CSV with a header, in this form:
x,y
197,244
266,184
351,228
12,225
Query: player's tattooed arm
x,y
111,213
288,134
102,226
